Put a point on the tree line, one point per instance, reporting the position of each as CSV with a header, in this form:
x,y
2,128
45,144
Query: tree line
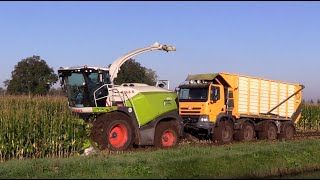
x,y
33,76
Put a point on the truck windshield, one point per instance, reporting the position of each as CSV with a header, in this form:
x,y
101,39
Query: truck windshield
x,y
193,94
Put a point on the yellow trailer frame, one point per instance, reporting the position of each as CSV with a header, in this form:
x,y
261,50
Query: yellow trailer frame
x,y
265,98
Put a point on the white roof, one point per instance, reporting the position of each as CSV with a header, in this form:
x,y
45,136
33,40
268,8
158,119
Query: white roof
x,y
81,67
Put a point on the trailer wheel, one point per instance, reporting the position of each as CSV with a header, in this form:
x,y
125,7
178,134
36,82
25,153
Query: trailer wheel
x,y
246,133
113,131
269,131
288,131
166,135
223,133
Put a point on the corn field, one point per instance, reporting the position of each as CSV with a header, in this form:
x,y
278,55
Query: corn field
x,y
38,127
43,126
310,118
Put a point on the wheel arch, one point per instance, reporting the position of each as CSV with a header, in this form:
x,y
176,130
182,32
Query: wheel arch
x,y
147,131
224,117
260,125
284,123
239,123
241,133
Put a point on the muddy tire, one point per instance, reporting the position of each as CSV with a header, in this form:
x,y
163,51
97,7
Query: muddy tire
x,y
113,131
223,133
269,131
288,131
166,135
246,133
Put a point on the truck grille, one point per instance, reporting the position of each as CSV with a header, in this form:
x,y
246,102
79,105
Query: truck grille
x,y
192,110
190,119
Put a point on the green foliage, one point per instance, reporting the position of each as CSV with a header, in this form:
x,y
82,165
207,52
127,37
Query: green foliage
x,y
31,76
310,118
38,127
132,71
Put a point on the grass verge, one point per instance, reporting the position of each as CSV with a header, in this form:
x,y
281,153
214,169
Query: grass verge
x,y
240,160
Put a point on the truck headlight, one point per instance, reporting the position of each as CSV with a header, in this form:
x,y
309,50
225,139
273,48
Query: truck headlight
x,y
204,118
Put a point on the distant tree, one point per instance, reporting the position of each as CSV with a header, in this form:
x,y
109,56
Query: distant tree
x,y
318,101
151,76
31,76
2,91
56,92
132,71
311,101
303,101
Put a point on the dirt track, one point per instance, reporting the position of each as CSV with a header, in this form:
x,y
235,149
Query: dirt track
x,y
298,136
307,135
195,141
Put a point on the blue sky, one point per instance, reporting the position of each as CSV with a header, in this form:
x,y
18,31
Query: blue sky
x,y
273,40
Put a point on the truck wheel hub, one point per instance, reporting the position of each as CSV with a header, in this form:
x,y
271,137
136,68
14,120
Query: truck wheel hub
x,y
114,135
165,139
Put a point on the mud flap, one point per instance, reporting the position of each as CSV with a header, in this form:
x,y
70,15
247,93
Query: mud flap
x,y
147,136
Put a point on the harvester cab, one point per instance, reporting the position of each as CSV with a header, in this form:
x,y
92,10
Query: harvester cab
x,y
88,86
85,84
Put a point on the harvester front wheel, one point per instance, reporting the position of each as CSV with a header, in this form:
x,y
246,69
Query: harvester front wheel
x,y
166,135
113,131
119,137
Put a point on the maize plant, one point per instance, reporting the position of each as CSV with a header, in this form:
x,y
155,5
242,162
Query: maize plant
x,y
310,118
38,127
43,126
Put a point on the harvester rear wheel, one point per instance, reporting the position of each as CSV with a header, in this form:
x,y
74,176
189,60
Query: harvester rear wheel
x,y
166,135
288,131
113,131
246,133
223,133
269,131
